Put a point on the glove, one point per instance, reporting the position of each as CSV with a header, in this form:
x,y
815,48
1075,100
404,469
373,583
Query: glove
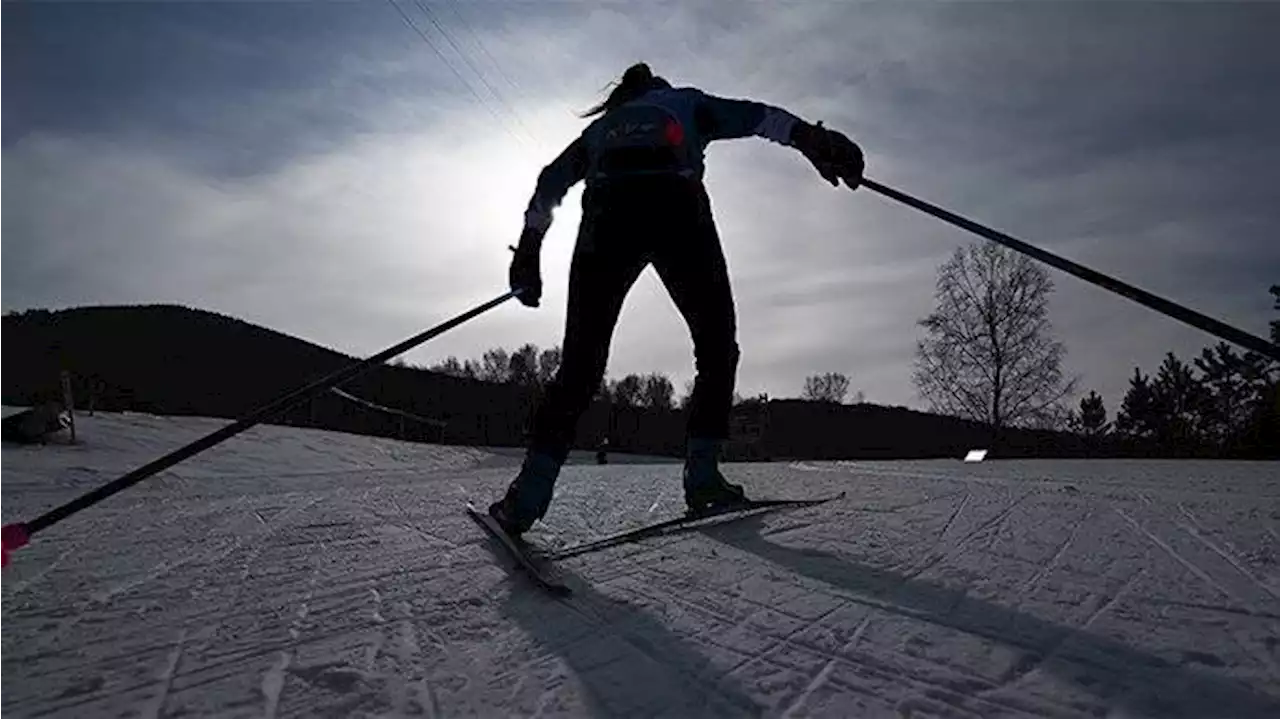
x,y
835,156
525,274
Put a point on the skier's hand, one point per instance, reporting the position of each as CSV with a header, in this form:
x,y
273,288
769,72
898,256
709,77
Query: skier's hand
x,y
834,155
525,274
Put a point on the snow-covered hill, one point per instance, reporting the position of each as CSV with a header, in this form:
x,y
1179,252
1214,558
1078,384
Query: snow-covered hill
x,y
304,573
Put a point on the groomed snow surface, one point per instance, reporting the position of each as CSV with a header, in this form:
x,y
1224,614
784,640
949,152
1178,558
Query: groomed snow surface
x,y
305,573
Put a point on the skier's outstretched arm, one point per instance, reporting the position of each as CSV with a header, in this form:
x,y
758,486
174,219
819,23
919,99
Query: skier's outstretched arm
x,y
525,274
835,156
554,182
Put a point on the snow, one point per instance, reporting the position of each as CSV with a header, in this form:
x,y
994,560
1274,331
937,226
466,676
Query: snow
x,y
294,572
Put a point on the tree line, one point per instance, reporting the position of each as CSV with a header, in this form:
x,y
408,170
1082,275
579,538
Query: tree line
x,y
1222,403
989,355
534,367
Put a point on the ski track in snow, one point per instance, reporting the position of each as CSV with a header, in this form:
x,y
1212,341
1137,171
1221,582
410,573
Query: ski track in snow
x,y
297,573
156,708
1193,527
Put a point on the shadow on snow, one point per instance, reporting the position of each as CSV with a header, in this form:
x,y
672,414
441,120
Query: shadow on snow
x,y
1109,669
626,660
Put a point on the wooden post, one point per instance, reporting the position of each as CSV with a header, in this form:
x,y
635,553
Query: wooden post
x,y
68,402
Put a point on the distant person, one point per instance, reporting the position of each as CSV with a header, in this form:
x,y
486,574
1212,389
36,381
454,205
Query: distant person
x,y
644,202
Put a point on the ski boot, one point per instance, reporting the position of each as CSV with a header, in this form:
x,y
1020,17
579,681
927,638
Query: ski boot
x,y
527,497
713,495
706,491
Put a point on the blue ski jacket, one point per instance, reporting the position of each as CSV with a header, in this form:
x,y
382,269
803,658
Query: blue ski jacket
x,y
664,131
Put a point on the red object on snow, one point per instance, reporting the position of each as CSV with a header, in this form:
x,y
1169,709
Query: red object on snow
x,y
12,536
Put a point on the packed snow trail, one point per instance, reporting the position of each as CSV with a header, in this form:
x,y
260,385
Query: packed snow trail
x,y
297,572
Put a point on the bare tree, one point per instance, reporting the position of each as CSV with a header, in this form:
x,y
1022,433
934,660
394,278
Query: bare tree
x,y
657,392
626,392
989,355
471,369
495,366
449,366
830,387
549,365
523,366
683,403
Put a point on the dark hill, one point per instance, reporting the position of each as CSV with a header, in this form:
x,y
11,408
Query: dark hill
x,y
167,359
172,360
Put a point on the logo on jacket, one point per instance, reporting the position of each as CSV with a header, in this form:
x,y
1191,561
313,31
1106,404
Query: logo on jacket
x,y
641,138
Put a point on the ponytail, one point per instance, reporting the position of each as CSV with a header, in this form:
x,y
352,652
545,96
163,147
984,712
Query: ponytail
x,y
637,80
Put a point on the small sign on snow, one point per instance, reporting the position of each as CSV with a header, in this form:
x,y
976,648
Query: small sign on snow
x,y
975,455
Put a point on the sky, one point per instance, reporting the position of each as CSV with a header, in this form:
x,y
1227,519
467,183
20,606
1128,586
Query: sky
x,y
353,172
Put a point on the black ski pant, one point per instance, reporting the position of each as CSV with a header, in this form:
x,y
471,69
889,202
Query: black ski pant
x,y
626,226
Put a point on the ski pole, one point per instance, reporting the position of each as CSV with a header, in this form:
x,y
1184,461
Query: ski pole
x,y
1155,302
15,536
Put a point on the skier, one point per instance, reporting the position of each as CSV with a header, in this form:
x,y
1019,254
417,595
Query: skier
x,y
644,202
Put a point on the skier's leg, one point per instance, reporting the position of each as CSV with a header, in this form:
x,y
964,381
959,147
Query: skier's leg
x,y
692,266
600,276
599,281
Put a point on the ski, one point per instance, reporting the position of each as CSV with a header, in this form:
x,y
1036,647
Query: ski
x,y
747,509
524,553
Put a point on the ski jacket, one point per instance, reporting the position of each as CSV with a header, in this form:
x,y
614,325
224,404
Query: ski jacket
x,y
663,132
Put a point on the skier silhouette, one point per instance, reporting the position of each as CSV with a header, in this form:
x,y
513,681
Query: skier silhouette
x,y
644,203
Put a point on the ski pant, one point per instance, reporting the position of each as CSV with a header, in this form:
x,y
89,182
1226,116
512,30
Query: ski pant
x,y
626,226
